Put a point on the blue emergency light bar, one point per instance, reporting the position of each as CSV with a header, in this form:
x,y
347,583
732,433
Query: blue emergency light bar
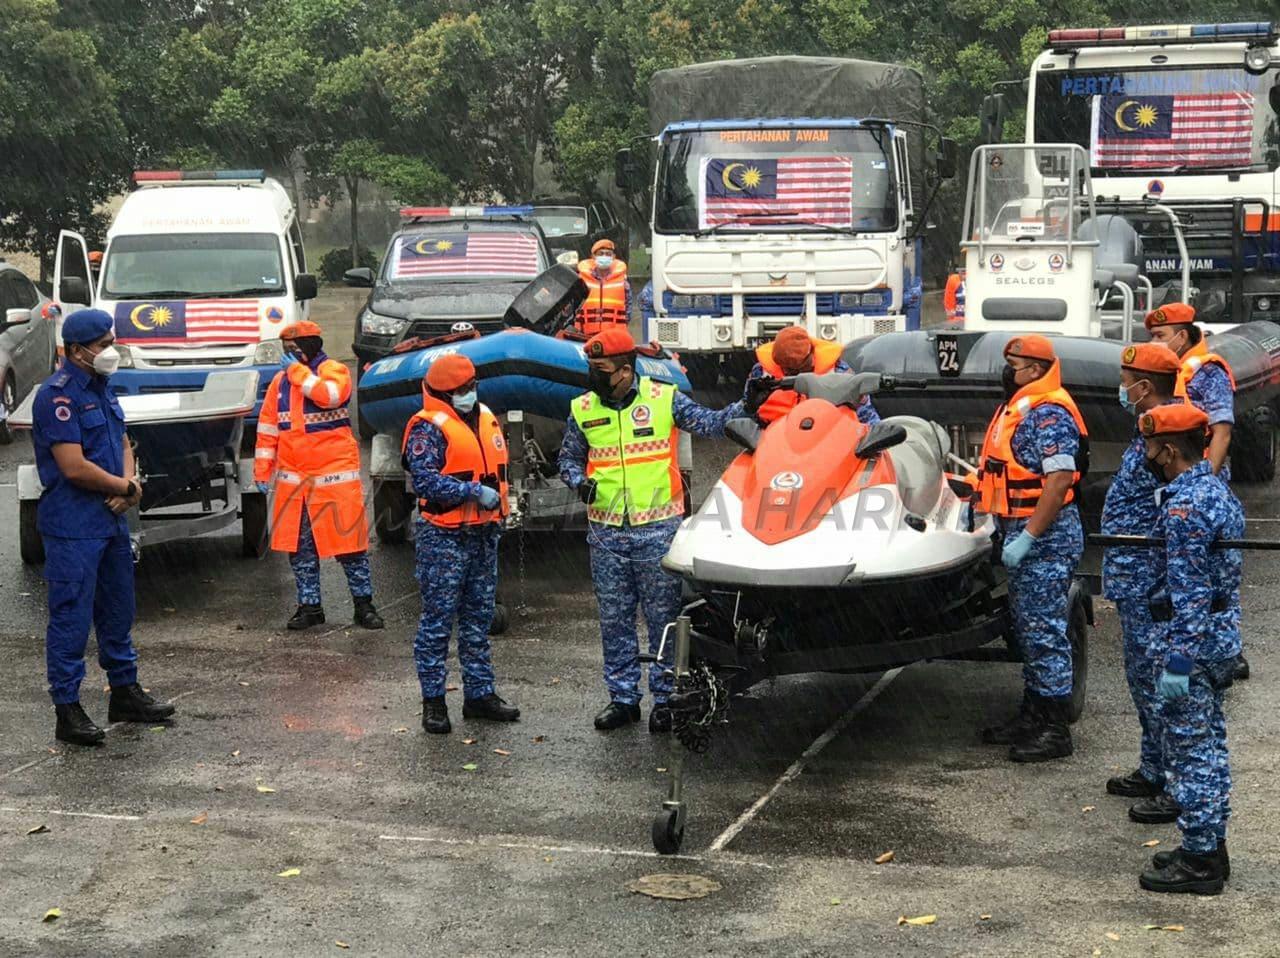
x,y
1254,33
455,212
182,176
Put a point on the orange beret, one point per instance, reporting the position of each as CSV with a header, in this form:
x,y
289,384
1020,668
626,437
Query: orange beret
x,y
1031,346
449,372
1172,314
791,347
600,244
609,342
95,257
300,330
1150,358
1171,418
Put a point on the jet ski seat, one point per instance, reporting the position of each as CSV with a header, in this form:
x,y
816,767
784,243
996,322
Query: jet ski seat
x,y
920,462
1119,247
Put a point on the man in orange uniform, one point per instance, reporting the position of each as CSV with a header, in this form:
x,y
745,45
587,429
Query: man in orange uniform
x,y
306,445
608,301
794,351
457,459
1029,472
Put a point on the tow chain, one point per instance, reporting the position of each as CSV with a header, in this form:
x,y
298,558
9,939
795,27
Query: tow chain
x,y
522,606
699,702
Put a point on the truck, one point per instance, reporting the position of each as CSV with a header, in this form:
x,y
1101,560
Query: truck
x,y
785,191
1184,117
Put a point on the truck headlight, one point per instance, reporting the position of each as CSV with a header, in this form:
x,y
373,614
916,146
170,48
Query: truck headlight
x,y
849,300
126,356
704,302
873,299
681,301
375,325
268,353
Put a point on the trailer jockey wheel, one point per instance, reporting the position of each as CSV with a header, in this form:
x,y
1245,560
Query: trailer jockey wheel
x,y
501,619
668,831
1078,620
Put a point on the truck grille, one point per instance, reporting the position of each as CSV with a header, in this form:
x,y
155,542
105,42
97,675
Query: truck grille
x,y
778,304
430,328
1207,231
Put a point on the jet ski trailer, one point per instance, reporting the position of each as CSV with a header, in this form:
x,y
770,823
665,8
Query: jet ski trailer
x,y
828,546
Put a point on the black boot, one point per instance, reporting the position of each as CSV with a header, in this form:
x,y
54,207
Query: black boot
x,y
1164,859
659,719
617,714
1241,672
366,615
1012,729
129,703
490,707
1187,873
1133,785
75,727
306,617
1159,810
1050,735
435,716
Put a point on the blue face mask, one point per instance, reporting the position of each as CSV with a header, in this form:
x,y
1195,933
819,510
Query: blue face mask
x,y
464,402
604,262
1129,406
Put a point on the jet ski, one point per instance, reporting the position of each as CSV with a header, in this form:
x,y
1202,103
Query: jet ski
x,y
831,546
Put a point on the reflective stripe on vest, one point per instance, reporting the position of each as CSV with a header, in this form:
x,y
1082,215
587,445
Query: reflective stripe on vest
x,y
632,456
606,302
782,401
1006,487
468,457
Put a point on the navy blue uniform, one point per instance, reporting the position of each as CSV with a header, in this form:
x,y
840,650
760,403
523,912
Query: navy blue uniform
x,y
88,559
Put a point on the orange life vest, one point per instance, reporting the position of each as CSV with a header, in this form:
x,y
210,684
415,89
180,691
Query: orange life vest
x,y
781,401
1195,359
1006,487
606,302
305,441
949,298
468,457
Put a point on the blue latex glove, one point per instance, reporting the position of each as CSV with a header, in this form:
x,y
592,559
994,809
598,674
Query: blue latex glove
x,y
288,360
263,487
487,498
1173,686
1016,549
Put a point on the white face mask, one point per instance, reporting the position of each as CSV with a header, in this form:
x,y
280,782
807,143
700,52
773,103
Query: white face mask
x,y
604,261
464,402
107,361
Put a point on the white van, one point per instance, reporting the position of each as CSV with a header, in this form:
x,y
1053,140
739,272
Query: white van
x,y
201,271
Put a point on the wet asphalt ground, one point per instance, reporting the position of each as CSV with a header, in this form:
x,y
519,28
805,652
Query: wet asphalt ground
x,y
305,751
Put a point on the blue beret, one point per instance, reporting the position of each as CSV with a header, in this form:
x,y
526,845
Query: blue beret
x,y
86,326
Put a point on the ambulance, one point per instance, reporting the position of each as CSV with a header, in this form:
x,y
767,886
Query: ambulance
x,y
201,271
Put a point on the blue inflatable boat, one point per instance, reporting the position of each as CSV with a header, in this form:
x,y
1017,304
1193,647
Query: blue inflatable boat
x,y
515,369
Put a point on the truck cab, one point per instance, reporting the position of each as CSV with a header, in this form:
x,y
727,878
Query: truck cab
x,y
201,271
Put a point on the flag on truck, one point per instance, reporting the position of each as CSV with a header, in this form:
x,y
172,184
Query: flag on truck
x,y
188,321
788,189
1192,129
489,253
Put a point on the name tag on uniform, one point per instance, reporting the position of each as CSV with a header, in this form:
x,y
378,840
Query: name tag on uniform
x,y
644,432
592,423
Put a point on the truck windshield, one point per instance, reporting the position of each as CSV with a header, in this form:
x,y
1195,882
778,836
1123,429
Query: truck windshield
x,y
776,179
1170,120
193,266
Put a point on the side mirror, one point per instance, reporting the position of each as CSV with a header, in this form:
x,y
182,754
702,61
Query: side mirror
x,y
883,435
991,118
746,433
360,276
568,258
15,317
948,154
625,169
305,287
73,289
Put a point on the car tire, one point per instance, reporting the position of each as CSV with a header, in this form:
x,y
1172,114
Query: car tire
x,y
8,396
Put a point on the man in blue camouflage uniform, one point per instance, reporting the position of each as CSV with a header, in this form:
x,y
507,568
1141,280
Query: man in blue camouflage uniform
x,y
305,564
456,458
1201,596
1028,478
1148,376
626,550
1206,380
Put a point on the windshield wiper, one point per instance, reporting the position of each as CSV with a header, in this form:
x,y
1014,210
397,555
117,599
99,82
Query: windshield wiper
x,y
157,294
739,218
249,291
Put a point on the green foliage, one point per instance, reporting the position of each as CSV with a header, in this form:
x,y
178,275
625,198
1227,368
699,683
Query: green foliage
x,y
337,261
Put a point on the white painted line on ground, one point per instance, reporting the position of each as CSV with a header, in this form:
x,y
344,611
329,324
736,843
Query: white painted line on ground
x,y
54,811
382,608
821,742
566,849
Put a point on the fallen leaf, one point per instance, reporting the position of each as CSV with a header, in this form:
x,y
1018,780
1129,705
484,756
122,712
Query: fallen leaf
x,y
1089,808
218,788
451,688
38,830
53,914
1172,928
501,751
1097,953
468,741
266,789
660,769
169,608
342,944
470,767
885,858
539,739
919,920
984,918
555,681
157,728
1151,844
548,859
835,901
401,729
1112,936
200,819
236,753
245,684
289,873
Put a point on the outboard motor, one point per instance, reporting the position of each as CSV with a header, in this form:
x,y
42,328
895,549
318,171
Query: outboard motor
x,y
548,304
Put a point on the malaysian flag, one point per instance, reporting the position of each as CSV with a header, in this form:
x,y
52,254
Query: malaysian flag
x,y
1193,129
816,189
188,321
486,252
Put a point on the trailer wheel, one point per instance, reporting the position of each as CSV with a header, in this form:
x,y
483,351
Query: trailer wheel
x,y
1078,634
501,619
668,832
30,545
1253,446
391,511
253,525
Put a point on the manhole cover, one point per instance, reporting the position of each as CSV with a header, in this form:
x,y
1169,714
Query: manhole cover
x,y
674,887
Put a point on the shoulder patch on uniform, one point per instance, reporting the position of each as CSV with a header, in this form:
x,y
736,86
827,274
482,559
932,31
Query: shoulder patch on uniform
x,y
62,413
418,448
61,379
65,399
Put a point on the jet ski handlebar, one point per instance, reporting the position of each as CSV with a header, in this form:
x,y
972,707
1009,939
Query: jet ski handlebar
x,y
846,389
